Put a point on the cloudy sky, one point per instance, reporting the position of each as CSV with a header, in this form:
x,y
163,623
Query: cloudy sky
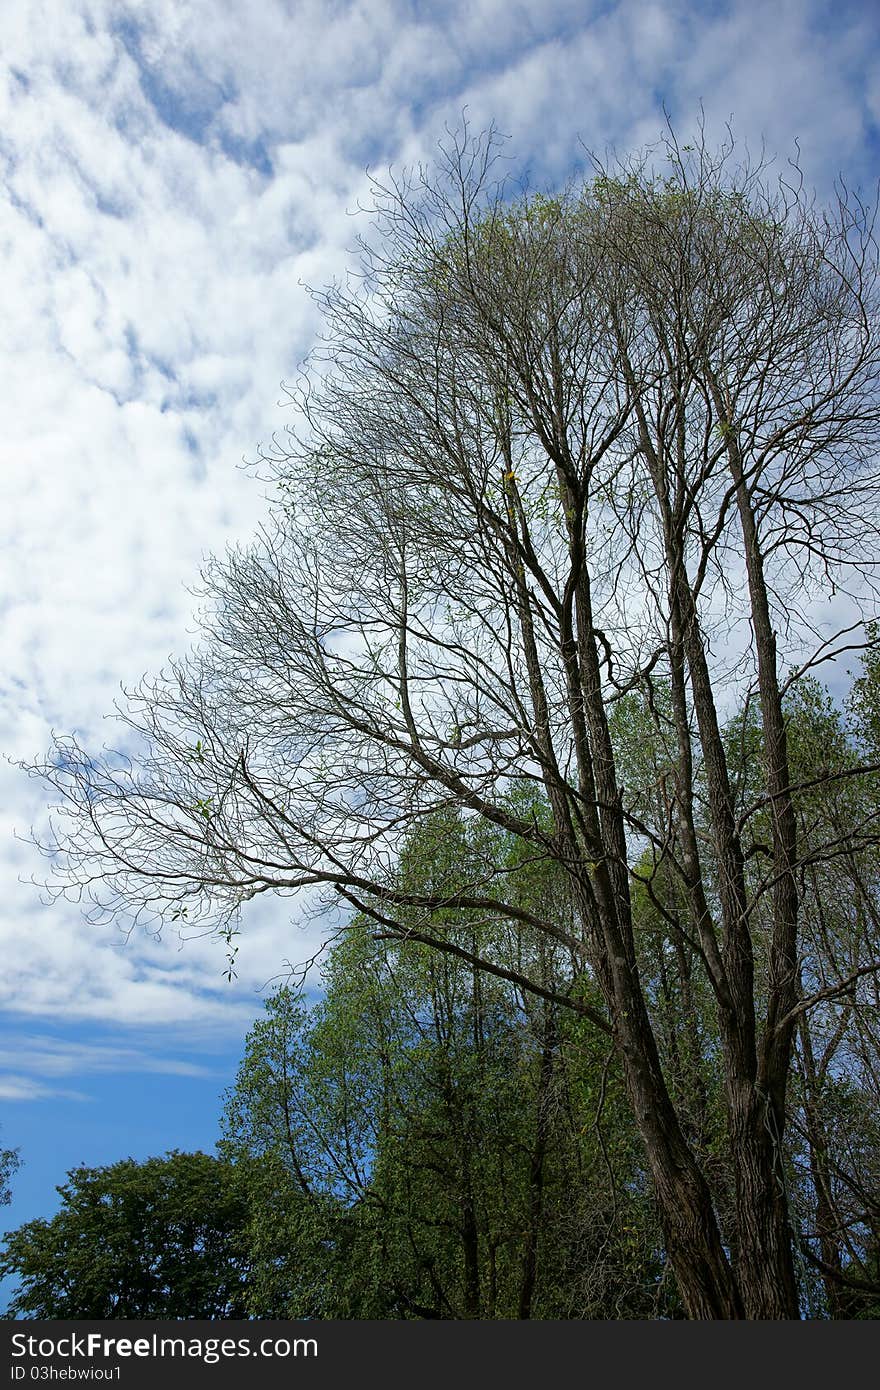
x,y
173,173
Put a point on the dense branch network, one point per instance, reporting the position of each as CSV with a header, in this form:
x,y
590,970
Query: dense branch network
x,y
567,470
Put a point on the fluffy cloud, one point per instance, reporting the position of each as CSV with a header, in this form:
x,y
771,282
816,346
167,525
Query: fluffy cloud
x,y
174,171
33,1066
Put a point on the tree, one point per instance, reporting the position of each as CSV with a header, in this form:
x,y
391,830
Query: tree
x,y
158,1239
432,1123
836,1091
10,1162
557,447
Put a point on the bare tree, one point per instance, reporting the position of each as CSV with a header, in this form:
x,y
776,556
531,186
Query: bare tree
x,y
551,449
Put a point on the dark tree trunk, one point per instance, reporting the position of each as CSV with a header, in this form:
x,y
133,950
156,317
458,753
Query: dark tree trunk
x,y
536,1166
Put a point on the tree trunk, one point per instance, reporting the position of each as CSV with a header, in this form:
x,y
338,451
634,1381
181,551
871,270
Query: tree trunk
x,y
536,1166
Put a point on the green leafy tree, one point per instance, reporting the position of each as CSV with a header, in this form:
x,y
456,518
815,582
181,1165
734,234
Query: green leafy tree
x,y
158,1239
433,1120
302,1192
10,1162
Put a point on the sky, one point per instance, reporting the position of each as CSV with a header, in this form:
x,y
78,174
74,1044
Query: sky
x,y
173,175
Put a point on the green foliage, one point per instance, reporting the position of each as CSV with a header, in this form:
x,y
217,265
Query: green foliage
x,y
10,1163
434,1143
832,1144
158,1239
864,698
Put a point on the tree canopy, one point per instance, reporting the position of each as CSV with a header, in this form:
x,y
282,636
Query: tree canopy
x,y
158,1239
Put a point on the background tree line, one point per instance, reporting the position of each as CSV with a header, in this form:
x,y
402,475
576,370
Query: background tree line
x,y
568,481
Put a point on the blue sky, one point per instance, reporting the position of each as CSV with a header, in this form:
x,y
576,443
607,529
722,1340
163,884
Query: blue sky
x,y
172,173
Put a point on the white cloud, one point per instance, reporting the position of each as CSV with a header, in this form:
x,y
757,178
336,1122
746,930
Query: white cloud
x,y
14,1088
33,1066
152,303
54,1057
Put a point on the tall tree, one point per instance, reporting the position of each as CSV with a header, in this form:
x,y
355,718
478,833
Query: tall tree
x,y
555,446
